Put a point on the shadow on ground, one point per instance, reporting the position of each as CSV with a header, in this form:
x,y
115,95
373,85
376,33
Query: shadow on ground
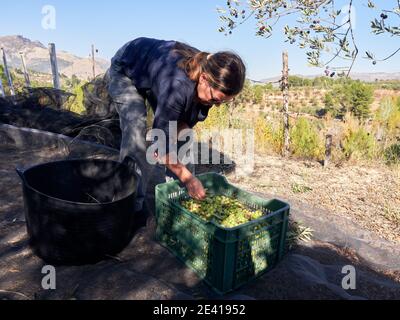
x,y
146,270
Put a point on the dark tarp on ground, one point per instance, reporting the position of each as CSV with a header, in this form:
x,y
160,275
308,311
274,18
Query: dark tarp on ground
x,y
145,270
38,109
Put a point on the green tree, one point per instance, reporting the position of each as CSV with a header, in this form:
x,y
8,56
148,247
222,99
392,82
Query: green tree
x,y
358,98
352,96
258,92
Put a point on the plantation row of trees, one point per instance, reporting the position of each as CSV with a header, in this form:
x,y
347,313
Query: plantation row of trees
x,y
318,82
347,107
341,97
328,83
346,100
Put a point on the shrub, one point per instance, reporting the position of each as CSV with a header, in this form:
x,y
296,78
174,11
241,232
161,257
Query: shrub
x,y
267,137
392,154
312,110
2,75
305,141
246,95
388,121
299,188
77,105
295,81
358,144
218,117
314,102
329,101
258,91
389,113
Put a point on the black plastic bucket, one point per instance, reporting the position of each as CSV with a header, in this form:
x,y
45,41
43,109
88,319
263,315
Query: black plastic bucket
x,y
79,211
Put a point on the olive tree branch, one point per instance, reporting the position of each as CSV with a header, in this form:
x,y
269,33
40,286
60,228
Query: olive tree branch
x,y
387,58
353,39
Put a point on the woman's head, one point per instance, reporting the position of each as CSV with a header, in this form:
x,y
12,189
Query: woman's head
x,y
220,76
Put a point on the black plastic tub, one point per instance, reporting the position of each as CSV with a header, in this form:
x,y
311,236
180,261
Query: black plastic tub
x,y
79,211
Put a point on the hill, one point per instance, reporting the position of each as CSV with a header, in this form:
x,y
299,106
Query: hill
x,y
37,58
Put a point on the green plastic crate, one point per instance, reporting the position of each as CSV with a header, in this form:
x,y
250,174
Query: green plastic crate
x,y
225,258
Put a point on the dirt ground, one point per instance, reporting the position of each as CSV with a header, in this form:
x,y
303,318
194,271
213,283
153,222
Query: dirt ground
x,y
146,270
368,194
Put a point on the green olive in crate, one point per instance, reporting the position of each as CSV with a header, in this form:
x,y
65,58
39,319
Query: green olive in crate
x,y
229,212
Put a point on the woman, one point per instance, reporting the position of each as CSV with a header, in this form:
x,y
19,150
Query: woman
x,y
181,83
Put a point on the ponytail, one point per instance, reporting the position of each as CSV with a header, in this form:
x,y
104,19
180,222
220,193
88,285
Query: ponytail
x,y
225,70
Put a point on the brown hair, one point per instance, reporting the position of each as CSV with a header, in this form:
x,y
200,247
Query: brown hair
x,y
225,70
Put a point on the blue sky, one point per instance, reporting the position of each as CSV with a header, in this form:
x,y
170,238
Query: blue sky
x,y
109,24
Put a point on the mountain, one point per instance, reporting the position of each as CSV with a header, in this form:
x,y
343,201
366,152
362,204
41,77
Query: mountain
x,y
367,77
380,76
37,58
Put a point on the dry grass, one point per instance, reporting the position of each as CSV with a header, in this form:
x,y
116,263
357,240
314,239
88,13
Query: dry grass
x,y
312,97
367,193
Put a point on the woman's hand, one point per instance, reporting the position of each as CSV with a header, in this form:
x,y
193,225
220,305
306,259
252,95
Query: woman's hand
x,y
193,185
195,189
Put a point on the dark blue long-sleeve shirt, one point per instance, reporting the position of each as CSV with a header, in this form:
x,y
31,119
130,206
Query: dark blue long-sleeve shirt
x,y
152,66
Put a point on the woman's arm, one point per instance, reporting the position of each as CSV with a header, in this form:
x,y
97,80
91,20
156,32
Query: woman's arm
x,y
194,186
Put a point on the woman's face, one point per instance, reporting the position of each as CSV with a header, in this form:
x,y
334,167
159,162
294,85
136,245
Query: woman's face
x,y
208,95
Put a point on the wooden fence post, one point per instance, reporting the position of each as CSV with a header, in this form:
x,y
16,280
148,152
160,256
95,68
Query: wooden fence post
x,y
54,67
285,93
26,74
7,73
328,149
